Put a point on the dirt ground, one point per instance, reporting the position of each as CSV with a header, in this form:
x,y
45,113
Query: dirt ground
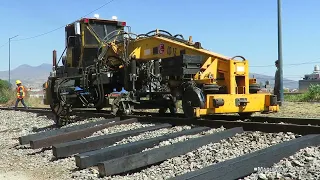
x,y
297,109
14,176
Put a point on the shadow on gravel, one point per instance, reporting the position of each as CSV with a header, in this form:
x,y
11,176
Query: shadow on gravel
x,y
18,146
41,151
75,169
53,159
10,130
50,127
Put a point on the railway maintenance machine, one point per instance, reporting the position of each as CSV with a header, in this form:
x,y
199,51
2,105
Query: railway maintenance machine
x,y
106,65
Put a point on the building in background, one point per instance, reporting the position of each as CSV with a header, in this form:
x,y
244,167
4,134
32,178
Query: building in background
x,y
310,79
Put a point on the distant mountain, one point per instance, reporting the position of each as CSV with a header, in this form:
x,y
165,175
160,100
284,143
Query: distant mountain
x,y
37,75
29,75
287,83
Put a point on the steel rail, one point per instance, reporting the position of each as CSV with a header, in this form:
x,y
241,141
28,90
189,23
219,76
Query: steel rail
x,y
247,126
86,112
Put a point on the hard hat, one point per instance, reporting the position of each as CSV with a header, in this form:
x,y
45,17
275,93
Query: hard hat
x,y
18,82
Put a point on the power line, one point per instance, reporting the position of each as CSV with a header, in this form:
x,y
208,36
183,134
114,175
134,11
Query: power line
x,y
99,7
293,64
4,44
39,34
63,25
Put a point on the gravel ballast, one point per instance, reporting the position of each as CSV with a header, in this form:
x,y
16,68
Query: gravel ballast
x,y
21,162
210,154
185,138
152,134
120,128
27,163
92,172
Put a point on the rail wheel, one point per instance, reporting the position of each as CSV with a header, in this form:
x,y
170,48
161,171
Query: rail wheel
x,y
121,105
61,114
245,115
192,98
172,110
99,108
171,105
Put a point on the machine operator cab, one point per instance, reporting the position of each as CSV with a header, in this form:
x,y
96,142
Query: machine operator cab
x,y
83,39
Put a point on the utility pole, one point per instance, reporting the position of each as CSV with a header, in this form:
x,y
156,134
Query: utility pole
x,y
10,55
280,52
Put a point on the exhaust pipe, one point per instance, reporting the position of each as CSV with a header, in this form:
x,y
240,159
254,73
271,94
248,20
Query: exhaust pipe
x,y
54,59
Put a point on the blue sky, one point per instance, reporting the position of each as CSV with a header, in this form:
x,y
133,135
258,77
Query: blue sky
x,y
229,27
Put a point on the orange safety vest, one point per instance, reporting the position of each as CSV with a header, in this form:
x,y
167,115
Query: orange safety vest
x,y
20,89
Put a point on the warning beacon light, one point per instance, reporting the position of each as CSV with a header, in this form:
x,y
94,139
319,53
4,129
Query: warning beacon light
x,y
96,16
114,18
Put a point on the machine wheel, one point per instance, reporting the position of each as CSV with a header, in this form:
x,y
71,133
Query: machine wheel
x,y
61,114
245,115
192,98
98,109
120,106
162,110
172,110
254,88
170,104
211,87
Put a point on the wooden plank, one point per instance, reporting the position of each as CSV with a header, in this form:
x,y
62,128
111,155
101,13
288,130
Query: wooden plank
x,y
139,160
90,144
92,158
75,135
244,165
26,139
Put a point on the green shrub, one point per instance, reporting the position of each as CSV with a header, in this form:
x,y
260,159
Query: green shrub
x,y
313,94
5,92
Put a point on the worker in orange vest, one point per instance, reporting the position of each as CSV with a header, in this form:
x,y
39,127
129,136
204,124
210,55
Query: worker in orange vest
x,y
20,94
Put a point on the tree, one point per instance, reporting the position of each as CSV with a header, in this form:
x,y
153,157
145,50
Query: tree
x,y
261,84
4,85
4,91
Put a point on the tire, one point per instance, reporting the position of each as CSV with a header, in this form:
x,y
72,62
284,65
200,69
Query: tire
x,y
254,88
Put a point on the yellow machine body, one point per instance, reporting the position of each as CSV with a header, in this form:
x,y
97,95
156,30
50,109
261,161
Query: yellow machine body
x,y
101,57
215,69
256,103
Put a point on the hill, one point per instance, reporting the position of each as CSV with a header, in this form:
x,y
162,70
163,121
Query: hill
x,y
35,76
287,83
31,76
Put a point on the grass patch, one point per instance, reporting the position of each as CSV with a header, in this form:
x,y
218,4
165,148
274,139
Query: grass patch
x,y
5,95
312,95
8,98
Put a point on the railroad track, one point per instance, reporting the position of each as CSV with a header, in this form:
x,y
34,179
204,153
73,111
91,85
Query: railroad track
x,y
174,146
85,112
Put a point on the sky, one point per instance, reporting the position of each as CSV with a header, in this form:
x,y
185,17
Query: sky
x,y
230,27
